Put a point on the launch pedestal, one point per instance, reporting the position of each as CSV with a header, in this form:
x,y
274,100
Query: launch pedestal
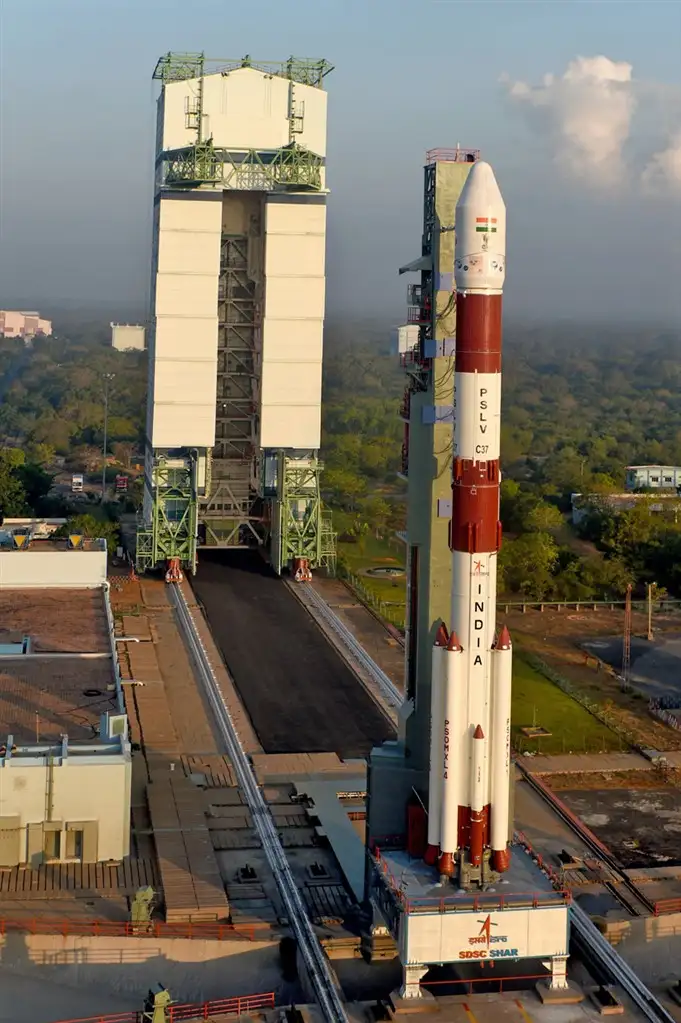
x,y
522,920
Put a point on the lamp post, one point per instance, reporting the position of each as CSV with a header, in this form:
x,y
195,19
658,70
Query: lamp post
x,y
108,377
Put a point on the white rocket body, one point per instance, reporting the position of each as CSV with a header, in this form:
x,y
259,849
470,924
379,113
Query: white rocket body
x,y
474,686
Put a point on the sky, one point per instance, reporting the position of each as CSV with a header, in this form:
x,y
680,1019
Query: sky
x,y
577,105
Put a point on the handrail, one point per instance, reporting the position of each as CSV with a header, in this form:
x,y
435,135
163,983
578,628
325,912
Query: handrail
x,y
185,1011
476,902
66,926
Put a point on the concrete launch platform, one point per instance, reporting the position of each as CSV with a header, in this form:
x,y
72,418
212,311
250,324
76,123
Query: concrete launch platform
x,y
523,917
523,885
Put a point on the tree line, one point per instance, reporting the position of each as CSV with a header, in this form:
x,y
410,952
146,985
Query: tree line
x,y
579,405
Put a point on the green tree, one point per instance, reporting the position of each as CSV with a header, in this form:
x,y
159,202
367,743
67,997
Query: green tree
x,y
41,454
344,487
376,511
543,518
528,564
12,494
93,528
12,457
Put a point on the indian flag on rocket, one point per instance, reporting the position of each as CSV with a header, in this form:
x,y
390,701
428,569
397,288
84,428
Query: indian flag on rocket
x,y
486,224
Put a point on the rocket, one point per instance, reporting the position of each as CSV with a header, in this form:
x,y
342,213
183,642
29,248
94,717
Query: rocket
x,y
469,794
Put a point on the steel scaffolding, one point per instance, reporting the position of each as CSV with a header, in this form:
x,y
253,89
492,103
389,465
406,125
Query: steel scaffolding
x,y
174,516
231,512
301,529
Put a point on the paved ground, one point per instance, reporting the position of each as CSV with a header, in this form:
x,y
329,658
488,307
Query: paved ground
x,y
642,827
586,763
385,649
23,1000
655,666
299,694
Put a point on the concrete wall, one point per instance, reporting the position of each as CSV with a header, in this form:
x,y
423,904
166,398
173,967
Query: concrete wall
x,y
651,946
52,569
76,798
191,970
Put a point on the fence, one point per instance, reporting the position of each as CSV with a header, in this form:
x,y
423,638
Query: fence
x,y
665,606
393,613
666,709
191,1011
595,709
124,929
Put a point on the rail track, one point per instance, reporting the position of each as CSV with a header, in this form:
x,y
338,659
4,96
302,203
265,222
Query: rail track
x,y
316,963
355,652
598,951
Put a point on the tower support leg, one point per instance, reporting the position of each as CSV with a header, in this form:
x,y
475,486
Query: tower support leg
x,y
412,974
559,979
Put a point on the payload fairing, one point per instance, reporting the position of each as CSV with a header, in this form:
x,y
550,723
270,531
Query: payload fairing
x,y
469,791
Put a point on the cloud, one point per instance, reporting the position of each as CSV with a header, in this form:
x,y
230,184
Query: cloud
x,y
663,172
588,114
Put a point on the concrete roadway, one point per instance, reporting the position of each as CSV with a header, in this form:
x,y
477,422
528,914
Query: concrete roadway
x,y
299,694
36,1000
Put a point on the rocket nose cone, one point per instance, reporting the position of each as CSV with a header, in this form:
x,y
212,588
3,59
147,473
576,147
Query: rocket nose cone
x,y
481,188
504,641
441,635
453,643
478,733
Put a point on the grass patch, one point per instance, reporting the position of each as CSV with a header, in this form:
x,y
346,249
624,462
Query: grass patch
x,y
371,552
573,729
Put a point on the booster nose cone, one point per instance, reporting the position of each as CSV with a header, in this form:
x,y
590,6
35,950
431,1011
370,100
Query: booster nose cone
x,y
441,637
480,256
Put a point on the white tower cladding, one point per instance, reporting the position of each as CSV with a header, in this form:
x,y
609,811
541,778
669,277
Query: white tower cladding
x,y
185,338
290,414
238,307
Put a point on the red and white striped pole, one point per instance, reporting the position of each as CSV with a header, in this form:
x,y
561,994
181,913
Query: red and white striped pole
x,y
480,262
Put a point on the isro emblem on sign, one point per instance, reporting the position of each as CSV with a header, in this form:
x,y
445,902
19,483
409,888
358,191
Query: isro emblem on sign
x,y
484,939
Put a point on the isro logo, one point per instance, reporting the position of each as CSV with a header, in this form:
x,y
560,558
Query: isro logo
x,y
484,939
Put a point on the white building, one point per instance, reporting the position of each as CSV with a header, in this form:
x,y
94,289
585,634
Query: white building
x,y
238,287
63,728
128,337
51,807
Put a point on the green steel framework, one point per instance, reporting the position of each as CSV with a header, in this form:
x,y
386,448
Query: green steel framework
x,y
177,67
229,510
292,166
174,518
309,535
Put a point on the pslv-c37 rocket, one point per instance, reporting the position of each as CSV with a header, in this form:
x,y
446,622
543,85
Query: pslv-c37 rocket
x,y
469,784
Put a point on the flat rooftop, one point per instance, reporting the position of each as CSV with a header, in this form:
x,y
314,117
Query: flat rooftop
x,y
39,544
61,683
422,891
